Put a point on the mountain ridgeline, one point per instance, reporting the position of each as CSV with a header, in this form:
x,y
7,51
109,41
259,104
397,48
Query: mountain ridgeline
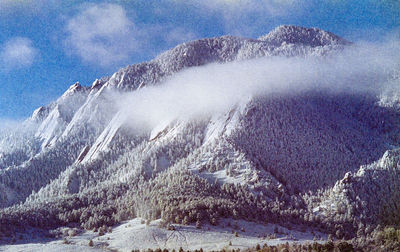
x,y
326,160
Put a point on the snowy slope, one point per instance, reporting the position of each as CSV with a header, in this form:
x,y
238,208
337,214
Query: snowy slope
x,y
137,235
59,114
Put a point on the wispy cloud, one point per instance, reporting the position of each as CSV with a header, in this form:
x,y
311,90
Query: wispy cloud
x,y
102,34
215,88
9,4
27,6
17,53
253,17
7,124
177,35
268,7
246,17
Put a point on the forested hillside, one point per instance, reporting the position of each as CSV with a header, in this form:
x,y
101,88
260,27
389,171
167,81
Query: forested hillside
x,y
308,147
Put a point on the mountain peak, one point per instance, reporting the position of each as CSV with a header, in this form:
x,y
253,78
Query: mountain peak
x,y
39,114
291,34
74,88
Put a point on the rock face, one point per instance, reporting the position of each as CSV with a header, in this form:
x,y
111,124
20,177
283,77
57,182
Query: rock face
x,y
285,156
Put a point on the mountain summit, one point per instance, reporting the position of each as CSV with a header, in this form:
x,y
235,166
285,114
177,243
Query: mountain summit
x,y
291,34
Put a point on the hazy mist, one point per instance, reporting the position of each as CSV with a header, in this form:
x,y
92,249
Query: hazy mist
x,y
215,88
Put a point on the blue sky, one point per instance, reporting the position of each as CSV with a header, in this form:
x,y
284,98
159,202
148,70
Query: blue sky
x,y
47,45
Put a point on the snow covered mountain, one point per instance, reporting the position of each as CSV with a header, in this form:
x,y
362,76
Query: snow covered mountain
x,y
311,158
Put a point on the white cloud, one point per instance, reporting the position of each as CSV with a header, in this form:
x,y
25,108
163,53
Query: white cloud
x,y
18,52
102,34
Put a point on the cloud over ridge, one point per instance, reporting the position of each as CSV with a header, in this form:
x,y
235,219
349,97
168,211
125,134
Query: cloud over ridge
x,y
216,88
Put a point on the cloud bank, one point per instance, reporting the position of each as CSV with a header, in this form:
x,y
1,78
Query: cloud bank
x,y
216,88
17,53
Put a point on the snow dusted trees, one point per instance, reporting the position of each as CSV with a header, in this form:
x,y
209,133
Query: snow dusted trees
x,y
281,158
278,165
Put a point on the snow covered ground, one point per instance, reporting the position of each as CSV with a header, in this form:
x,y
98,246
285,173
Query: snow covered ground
x,y
134,234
